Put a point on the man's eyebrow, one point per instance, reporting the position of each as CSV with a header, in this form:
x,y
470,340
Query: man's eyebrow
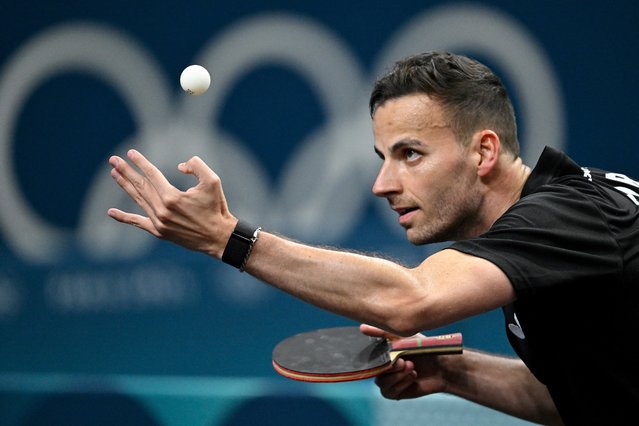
x,y
406,143
401,144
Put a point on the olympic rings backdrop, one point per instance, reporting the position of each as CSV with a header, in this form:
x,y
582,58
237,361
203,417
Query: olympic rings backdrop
x,y
285,125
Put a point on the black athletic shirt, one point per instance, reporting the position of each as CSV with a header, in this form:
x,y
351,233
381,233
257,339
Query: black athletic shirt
x,y
570,247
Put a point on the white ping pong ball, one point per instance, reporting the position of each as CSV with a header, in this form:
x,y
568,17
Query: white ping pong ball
x,y
195,80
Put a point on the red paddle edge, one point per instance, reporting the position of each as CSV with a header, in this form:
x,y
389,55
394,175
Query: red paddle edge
x,y
330,377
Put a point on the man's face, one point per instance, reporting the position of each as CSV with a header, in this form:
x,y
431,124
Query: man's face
x,y
428,178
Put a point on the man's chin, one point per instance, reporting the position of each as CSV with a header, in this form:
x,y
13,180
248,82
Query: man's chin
x,y
419,239
414,238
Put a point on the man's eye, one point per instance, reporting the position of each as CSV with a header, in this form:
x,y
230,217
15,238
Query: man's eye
x,y
412,155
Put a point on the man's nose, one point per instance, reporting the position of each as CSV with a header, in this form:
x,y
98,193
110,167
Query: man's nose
x,y
386,182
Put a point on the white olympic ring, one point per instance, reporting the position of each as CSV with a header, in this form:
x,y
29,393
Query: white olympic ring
x,y
330,171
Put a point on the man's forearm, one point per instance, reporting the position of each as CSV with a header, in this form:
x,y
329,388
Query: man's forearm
x,y
363,288
504,384
446,287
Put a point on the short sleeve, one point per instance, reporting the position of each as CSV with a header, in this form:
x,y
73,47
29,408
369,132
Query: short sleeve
x,y
552,238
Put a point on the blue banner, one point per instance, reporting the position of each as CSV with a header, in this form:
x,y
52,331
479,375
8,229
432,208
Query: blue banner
x,y
284,124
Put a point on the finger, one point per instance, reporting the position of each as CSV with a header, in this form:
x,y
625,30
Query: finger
x,y
208,183
132,190
370,330
401,389
153,175
137,220
396,381
392,375
202,172
197,167
139,186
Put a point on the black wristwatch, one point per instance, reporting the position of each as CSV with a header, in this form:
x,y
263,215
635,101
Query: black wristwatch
x,y
240,244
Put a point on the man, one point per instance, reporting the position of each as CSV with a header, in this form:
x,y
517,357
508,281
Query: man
x,y
556,248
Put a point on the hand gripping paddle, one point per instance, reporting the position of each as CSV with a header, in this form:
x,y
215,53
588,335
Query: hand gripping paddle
x,y
342,354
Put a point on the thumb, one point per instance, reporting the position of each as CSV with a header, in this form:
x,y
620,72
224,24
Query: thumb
x,y
197,167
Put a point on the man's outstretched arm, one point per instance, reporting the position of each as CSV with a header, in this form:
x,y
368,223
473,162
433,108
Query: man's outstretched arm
x,y
446,287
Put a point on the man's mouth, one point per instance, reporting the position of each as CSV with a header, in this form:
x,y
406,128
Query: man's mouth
x,y
405,213
404,210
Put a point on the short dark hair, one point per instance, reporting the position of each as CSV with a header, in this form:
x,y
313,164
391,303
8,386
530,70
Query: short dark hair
x,y
471,95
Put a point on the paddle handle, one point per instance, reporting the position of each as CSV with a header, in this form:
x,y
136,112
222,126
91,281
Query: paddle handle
x,y
442,344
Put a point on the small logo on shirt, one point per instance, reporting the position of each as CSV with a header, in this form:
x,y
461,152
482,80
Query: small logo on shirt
x,y
516,328
587,174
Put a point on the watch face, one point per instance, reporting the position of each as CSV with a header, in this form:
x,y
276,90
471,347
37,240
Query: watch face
x,y
245,231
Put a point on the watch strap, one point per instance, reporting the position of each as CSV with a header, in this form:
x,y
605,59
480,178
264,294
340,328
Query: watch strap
x,y
240,244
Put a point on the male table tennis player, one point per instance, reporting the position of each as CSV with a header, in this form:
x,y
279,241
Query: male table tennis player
x,y
557,247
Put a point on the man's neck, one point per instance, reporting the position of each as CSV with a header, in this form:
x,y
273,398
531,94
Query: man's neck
x,y
504,189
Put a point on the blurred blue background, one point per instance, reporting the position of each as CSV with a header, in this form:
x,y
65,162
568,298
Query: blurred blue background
x,y
284,124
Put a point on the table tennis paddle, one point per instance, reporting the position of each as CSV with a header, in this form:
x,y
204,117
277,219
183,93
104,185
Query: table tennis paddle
x,y
343,354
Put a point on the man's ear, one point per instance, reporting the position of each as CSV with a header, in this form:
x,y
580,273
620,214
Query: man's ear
x,y
489,148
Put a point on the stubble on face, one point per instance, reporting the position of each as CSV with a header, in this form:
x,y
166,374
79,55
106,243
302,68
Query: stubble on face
x,y
452,211
436,194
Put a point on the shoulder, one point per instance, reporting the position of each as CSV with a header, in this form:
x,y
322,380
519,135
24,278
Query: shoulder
x,y
592,203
